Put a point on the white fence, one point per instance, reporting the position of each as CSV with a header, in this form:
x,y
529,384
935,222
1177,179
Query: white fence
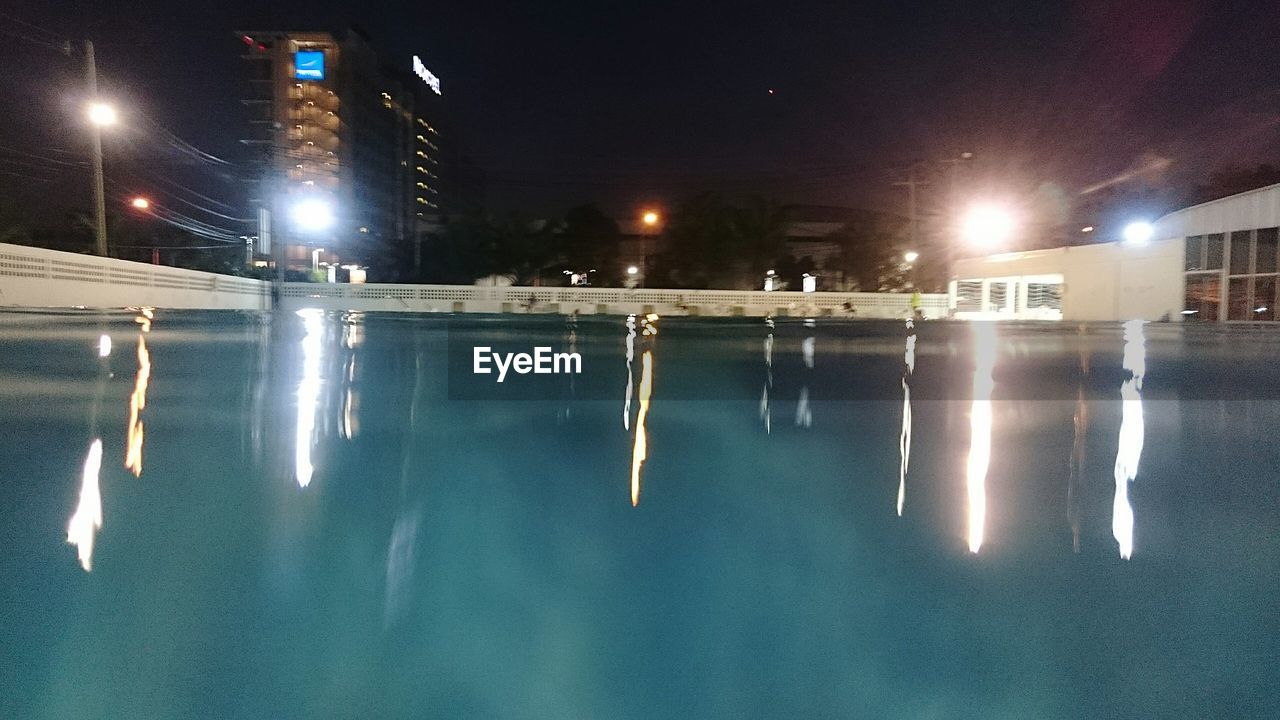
x,y
599,301
35,277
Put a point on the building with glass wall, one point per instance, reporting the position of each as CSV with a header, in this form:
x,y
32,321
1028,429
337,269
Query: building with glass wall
x,y
1213,262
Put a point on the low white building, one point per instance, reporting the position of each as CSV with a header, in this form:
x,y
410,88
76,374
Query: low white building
x,y
1213,262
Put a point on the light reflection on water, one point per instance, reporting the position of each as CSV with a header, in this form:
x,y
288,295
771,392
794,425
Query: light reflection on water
x,y
429,541
904,437
640,447
87,519
984,355
1131,434
308,393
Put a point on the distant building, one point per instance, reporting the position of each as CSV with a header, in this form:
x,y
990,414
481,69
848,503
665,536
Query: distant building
x,y
354,159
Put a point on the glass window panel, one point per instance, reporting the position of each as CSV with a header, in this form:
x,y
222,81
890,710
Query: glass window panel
x,y
1202,298
1239,305
1264,298
1241,256
1195,253
1044,296
997,296
969,295
1213,251
1266,253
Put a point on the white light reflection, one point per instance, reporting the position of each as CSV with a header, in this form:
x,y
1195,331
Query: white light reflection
x,y
1131,434
640,449
308,392
904,438
765,414
631,354
984,355
87,519
352,338
104,346
804,415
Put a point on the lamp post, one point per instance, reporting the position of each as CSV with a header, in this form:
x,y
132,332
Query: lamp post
x,y
650,220
100,116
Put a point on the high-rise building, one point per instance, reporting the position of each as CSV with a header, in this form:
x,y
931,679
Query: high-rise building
x,y
354,161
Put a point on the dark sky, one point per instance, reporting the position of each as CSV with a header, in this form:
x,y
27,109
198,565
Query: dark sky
x,y
564,102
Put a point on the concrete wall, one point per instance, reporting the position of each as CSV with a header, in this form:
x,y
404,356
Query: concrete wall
x,y
610,301
35,277
1107,281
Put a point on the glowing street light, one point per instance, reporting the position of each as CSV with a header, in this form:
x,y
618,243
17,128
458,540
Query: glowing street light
x,y
140,203
313,215
632,269
101,114
911,256
1138,233
650,218
987,225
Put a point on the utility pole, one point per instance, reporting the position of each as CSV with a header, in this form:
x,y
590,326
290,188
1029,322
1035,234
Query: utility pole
x,y
954,210
911,183
99,193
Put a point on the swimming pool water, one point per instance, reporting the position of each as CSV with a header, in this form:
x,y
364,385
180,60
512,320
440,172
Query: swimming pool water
x,y
325,515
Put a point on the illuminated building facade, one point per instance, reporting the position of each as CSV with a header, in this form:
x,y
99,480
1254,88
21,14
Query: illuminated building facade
x,y
351,164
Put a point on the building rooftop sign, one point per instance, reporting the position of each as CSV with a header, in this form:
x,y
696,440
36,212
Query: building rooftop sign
x,y
308,65
427,76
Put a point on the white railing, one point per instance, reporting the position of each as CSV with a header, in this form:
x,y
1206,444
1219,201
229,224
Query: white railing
x,y
591,300
36,277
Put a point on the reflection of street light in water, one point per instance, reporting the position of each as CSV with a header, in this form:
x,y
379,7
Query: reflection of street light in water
x,y
640,449
1129,451
904,438
984,355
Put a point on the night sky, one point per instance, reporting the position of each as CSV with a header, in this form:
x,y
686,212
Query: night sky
x,y
566,102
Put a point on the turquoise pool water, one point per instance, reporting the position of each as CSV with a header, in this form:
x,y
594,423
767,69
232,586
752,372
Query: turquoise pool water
x,y
232,515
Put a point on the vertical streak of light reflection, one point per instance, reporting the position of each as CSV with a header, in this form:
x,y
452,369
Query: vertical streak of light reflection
x,y
1075,470
631,354
804,414
984,351
765,414
308,393
640,448
137,403
640,451
87,519
904,439
1132,430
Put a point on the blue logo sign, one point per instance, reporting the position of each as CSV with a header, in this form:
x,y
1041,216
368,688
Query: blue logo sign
x,y
308,65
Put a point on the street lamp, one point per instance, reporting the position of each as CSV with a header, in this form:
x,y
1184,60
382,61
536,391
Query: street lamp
x,y
102,115
1138,233
313,215
650,220
911,256
987,225
140,203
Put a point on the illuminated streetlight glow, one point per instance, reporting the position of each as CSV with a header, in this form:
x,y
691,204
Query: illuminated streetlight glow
x,y
650,218
632,270
313,215
140,203
911,256
1138,233
987,225
102,115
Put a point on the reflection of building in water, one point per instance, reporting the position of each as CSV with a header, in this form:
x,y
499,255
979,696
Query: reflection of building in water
x,y
308,393
1075,466
640,448
765,413
87,519
631,354
1131,434
984,354
904,438
352,339
804,415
